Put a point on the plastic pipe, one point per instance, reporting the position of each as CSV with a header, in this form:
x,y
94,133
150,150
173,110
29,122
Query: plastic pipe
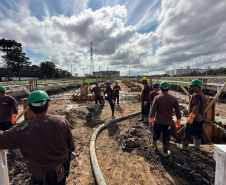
x,y
94,163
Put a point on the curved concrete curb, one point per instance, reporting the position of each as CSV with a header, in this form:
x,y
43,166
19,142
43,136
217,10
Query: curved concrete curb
x,y
94,163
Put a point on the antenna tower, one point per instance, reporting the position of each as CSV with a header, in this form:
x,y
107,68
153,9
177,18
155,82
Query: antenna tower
x,y
91,59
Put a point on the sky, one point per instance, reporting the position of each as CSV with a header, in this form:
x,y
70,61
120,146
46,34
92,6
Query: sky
x,y
145,36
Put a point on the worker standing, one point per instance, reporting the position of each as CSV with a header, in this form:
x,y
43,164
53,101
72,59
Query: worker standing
x,y
110,97
97,93
8,110
45,142
145,103
154,93
162,111
194,126
116,89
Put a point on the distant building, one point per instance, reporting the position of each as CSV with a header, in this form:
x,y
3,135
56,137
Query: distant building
x,y
107,73
24,75
184,71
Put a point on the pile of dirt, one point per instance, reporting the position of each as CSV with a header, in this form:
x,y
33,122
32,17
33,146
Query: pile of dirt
x,y
185,167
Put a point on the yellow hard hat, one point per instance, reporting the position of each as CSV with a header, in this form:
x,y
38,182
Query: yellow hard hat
x,y
144,78
148,82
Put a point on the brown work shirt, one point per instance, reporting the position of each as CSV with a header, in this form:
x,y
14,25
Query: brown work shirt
x,y
116,89
145,93
198,99
97,91
110,94
8,107
153,94
162,109
44,142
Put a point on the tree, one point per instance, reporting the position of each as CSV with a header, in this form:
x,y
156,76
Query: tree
x,y
7,46
47,69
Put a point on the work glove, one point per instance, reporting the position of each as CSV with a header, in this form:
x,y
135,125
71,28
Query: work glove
x,y
113,101
191,117
1,131
145,103
14,119
151,122
103,97
178,123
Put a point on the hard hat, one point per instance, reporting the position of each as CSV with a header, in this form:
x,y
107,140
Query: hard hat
x,y
195,82
144,78
148,82
96,83
116,82
36,96
2,88
156,85
164,85
108,83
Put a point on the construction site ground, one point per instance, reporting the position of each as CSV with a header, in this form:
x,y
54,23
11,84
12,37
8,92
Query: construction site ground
x,y
123,149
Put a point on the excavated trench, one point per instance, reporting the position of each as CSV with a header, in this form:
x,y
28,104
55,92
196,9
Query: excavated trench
x,y
123,150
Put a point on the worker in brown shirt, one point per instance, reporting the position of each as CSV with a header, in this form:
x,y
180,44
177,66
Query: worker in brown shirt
x,y
162,111
45,143
110,97
194,126
97,92
116,89
154,93
8,110
145,103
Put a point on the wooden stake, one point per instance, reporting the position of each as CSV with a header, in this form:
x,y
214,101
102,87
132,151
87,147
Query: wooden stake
x,y
182,87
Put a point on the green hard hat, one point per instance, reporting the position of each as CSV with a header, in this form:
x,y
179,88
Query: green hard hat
x,y
164,85
195,82
36,96
116,82
2,88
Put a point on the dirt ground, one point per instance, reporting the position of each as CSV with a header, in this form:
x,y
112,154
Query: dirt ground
x,y
123,149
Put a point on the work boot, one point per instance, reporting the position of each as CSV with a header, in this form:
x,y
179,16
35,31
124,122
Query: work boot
x,y
197,143
141,118
166,151
113,115
145,119
184,145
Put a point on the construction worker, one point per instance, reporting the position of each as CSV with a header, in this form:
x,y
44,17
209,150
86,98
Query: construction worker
x,y
116,89
196,113
162,111
97,92
45,142
8,110
154,93
145,103
110,97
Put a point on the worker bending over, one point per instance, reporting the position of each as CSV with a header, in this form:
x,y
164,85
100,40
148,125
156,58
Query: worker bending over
x,y
110,97
45,142
8,110
154,93
97,93
116,89
162,111
196,117
145,104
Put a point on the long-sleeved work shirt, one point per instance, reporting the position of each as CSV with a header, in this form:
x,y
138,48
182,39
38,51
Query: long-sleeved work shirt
x,y
162,109
145,93
8,107
116,89
110,93
44,142
97,91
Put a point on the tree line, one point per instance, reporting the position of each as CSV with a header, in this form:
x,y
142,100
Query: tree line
x,y
15,60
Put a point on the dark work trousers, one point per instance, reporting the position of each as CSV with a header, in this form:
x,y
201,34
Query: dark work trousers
x,y
5,125
51,178
145,109
98,99
165,130
111,104
117,97
195,129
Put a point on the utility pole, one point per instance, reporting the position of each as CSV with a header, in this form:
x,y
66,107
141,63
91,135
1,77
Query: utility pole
x,y
91,58
107,71
71,70
129,73
163,70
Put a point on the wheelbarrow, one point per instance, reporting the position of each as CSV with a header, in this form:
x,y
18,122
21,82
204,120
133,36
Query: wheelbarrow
x,y
94,111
